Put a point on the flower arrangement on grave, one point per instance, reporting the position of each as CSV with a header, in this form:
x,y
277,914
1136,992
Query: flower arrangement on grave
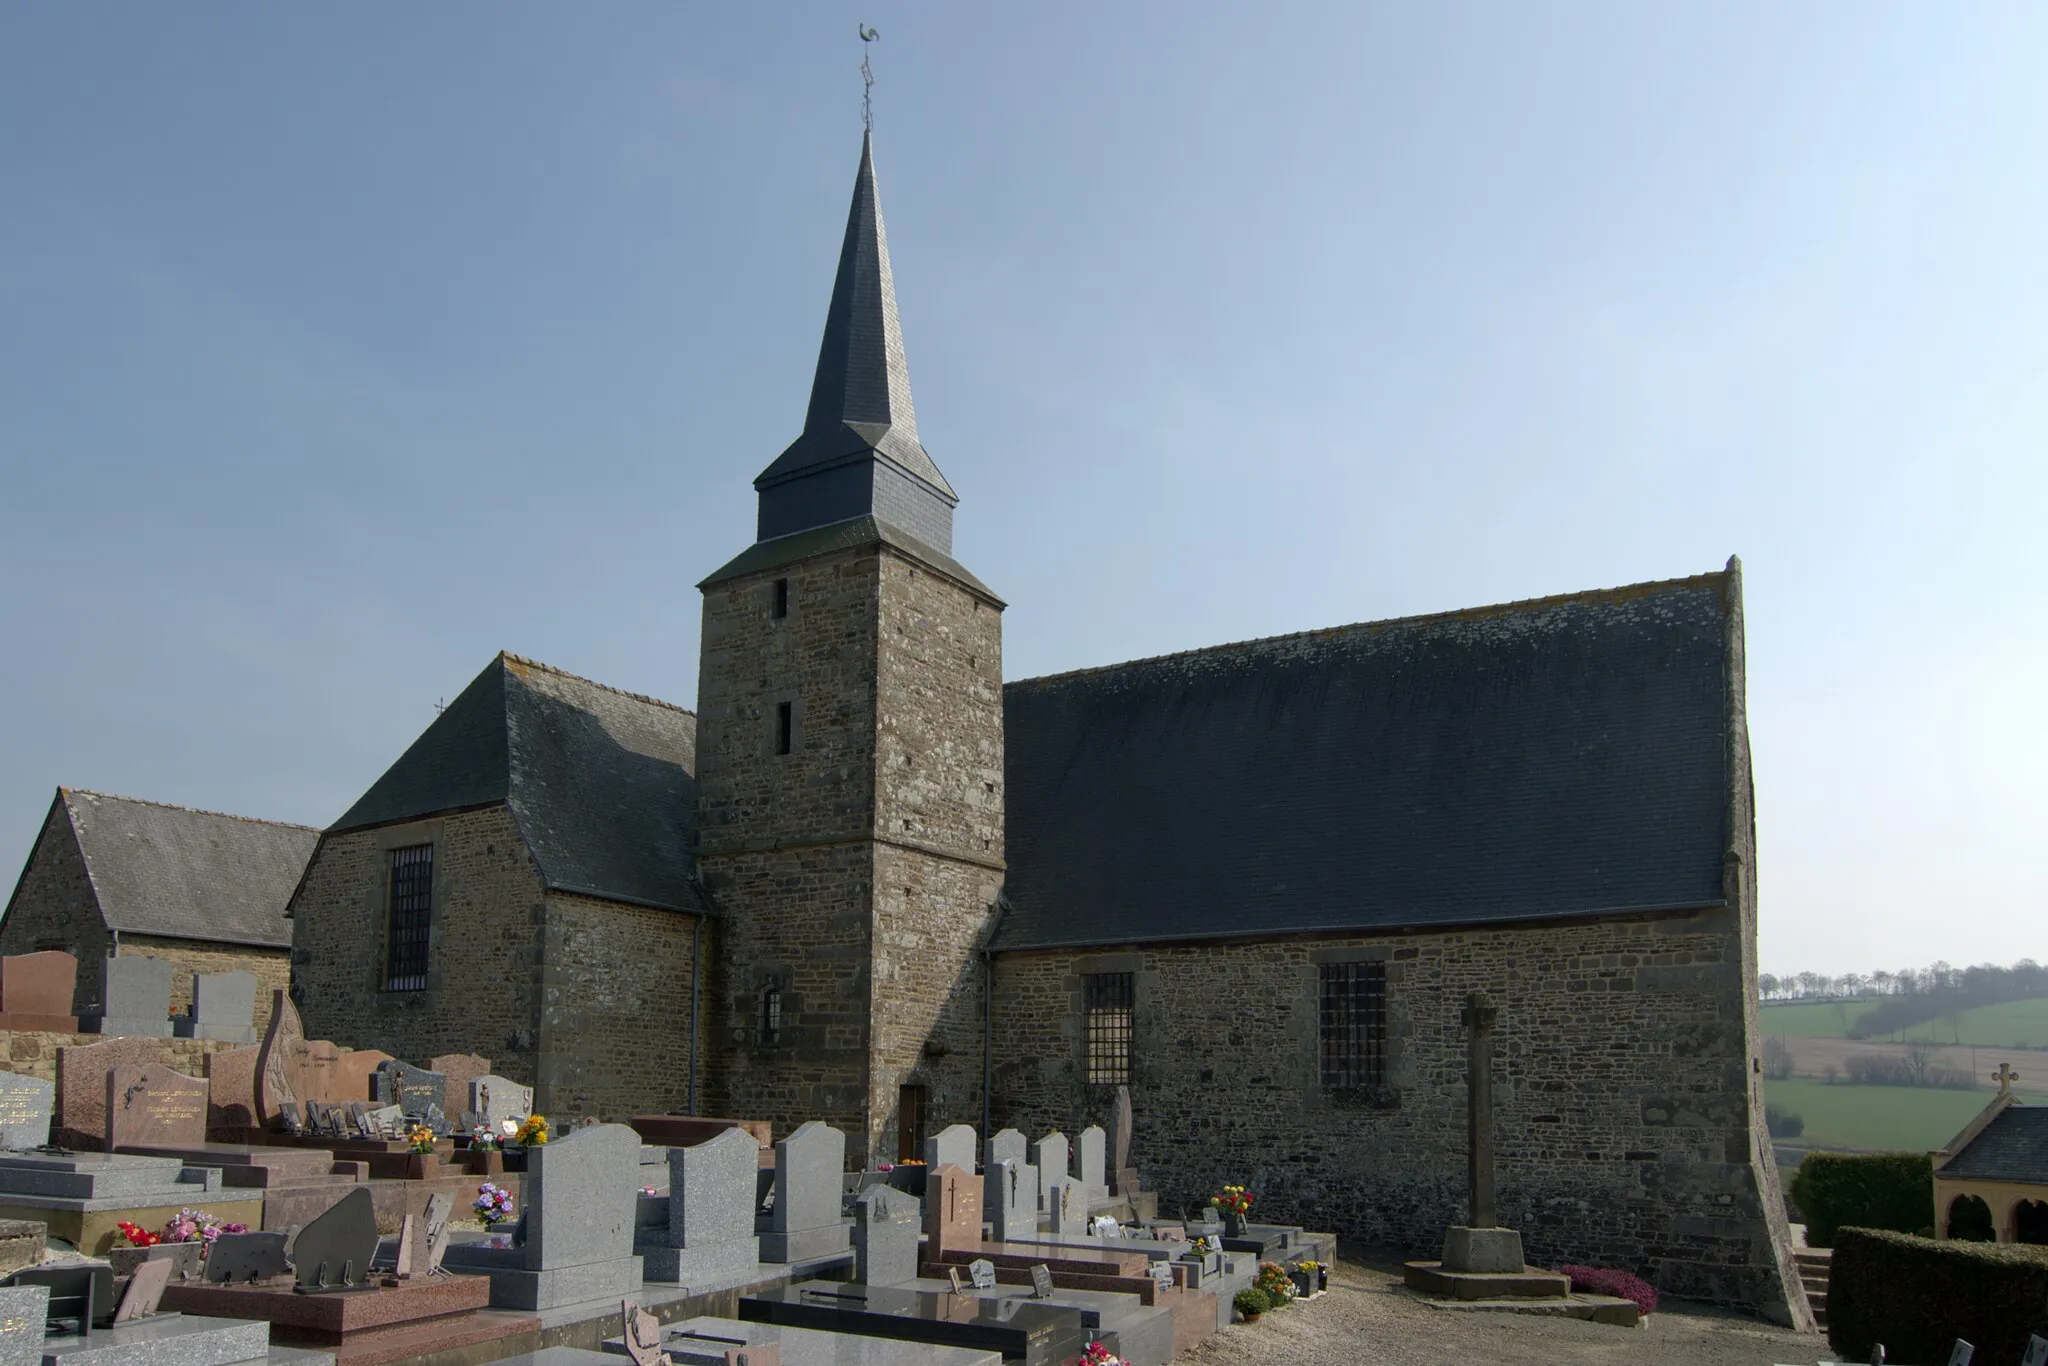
x,y
1278,1285
483,1139
137,1235
420,1139
1251,1302
1311,1277
1620,1284
532,1131
198,1226
493,1204
1201,1247
1098,1354
1233,1200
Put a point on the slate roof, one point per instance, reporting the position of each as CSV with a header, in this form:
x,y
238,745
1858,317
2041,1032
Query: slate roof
x,y
602,783
1561,757
187,874
854,533
860,395
2012,1147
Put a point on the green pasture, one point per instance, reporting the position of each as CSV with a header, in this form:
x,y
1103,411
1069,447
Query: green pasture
x,y
2010,1024
1876,1118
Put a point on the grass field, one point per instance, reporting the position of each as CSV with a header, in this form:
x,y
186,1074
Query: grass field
x,y
1877,1118
2022,1024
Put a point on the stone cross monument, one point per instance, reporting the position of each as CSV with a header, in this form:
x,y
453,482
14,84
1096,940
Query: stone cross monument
x,y
1478,1020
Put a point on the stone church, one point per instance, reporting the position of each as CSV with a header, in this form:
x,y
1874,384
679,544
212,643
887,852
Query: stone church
x,y
870,882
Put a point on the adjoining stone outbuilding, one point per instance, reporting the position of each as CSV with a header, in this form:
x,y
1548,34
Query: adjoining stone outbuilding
x,y
518,884
112,876
1991,1180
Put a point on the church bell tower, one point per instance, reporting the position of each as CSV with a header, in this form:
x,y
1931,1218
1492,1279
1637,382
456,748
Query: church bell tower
x,y
850,758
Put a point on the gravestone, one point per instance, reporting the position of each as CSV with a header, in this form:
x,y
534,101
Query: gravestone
x,y
709,1232
982,1272
408,1247
135,998
1041,1282
36,991
1011,1196
154,1107
240,1258
26,1104
582,1192
81,1119
231,1093
1006,1145
23,1311
280,1064
1961,1353
334,1252
952,1211
953,1145
1049,1155
417,1092
145,1291
1120,1138
460,1069
340,1076
497,1099
1094,1173
884,1237
2037,1351
223,1007
1068,1210
804,1222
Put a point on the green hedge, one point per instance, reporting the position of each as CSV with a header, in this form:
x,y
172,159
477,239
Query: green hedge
x,y
1917,1296
1867,1190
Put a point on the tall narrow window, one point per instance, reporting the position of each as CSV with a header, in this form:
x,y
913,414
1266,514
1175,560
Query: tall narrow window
x,y
410,915
781,607
1107,997
771,1017
785,726
1354,1024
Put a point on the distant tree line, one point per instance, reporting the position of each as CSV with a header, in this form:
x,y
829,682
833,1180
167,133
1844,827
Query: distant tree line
x,y
1912,996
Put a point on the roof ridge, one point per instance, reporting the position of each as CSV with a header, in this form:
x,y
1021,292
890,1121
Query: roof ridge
x,y
1454,614
579,678
178,806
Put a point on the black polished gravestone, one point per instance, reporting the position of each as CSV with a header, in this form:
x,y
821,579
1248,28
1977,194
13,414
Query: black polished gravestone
x,y
1023,1330
334,1251
246,1258
416,1091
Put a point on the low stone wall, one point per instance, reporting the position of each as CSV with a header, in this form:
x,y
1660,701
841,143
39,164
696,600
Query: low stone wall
x,y
33,1053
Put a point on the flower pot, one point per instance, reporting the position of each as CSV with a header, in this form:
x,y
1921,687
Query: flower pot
x,y
1249,1318
1304,1282
1234,1224
484,1162
419,1166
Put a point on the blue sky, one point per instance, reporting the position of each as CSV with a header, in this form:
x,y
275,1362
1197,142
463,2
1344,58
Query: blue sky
x,y
342,346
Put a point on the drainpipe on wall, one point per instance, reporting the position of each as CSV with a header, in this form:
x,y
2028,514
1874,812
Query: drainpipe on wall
x,y
696,995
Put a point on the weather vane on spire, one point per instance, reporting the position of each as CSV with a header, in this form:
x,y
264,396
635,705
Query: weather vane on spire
x,y
867,78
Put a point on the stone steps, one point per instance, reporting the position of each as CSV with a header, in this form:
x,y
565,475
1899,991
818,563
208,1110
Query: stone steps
x,y
1813,1263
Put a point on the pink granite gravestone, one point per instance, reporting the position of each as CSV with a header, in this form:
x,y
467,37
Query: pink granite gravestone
x,y
952,1210
151,1106
81,1119
36,991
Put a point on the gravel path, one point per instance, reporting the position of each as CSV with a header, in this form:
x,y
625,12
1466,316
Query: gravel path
x,y
1367,1319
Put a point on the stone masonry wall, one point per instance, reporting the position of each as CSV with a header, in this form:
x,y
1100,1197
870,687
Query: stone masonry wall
x,y
53,907
484,956
34,1054
272,968
939,853
615,1009
783,845
1623,1110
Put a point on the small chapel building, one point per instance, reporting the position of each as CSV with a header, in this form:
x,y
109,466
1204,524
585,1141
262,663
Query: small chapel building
x,y
869,882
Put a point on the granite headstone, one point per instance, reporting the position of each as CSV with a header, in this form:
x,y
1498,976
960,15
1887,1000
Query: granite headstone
x,y
26,1104
334,1252
155,1107
240,1258
1094,1173
497,1099
223,1007
804,1220
709,1232
135,997
1049,1155
885,1237
952,1210
23,1310
954,1146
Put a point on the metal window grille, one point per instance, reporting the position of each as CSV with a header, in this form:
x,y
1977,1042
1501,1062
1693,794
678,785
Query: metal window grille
x,y
771,1015
1354,1018
412,904
1108,997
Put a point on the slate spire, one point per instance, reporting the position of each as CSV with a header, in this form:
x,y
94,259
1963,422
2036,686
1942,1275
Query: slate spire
x,y
859,454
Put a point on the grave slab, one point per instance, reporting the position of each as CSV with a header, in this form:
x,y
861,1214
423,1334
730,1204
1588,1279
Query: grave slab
x,y
705,1342
1022,1330
1144,1335
163,1340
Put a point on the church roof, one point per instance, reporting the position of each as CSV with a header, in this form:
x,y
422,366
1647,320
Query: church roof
x,y
860,395
187,874
601,782
1561,757
2012,1147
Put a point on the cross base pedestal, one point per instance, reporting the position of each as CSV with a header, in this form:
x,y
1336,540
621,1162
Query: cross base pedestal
x,y
1489,1251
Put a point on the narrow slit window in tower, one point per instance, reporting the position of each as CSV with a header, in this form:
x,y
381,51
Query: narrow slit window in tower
x,y
784,726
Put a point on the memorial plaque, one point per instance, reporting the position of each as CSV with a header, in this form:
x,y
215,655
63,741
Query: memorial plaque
x,y
983,1272
152,1106
1041,1282
642,1335
402,1264
1162,1274
1962,1352
335,1250
145,1291
953,1275
242,1258
440,1205
2037,1351
26,1104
